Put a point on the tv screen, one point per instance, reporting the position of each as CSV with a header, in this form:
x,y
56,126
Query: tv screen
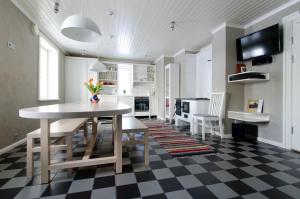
x,y
262,43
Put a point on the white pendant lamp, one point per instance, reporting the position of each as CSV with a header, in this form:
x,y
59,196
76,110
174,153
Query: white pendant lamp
x,y
98,67
80,28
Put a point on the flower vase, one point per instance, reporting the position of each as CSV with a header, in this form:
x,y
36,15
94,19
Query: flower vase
x,y
94,99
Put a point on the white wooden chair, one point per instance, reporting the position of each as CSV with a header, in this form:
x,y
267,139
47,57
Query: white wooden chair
x,y
212,120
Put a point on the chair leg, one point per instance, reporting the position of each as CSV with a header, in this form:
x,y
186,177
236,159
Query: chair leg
x,y
69,151
195,125
211,128
146,148
221,128
85,133
29,170
113,128
192,126
203,129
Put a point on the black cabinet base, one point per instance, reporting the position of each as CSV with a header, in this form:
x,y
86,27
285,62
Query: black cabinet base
x,y
243,131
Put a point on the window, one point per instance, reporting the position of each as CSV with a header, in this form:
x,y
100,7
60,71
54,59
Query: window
x,y
48,71
125,79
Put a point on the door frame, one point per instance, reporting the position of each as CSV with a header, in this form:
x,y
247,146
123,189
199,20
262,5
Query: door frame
x,y
287,78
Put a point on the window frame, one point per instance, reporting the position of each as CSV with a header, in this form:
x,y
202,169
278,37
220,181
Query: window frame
x,y
58,69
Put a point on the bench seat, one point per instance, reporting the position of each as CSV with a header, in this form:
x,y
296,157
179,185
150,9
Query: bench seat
x,y
58,129
131,126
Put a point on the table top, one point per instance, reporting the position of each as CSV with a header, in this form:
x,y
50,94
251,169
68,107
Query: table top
x,y
75,110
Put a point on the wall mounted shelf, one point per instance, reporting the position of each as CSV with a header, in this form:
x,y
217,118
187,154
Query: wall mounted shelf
x,y
249,117
249,77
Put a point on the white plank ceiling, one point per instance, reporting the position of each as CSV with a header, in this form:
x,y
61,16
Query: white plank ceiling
x,y
141,27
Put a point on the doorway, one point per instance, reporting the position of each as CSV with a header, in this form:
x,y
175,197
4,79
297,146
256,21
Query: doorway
x,y
291,82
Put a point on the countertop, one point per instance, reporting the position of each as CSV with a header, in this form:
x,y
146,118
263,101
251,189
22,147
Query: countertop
x,y
192,98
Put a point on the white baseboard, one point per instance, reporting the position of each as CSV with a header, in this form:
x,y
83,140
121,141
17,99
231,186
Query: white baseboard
x,y
267,141
12,146
158,117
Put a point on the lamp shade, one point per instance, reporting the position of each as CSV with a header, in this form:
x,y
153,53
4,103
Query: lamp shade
x,y
98,67
80,28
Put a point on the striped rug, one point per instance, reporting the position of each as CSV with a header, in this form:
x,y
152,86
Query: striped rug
x,y
176,143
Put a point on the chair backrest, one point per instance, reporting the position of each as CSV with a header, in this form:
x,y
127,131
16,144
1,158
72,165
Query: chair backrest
x,y
216,104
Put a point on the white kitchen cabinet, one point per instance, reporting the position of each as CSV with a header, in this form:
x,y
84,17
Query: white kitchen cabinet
x,y
171,89
76,73
153,105
204,72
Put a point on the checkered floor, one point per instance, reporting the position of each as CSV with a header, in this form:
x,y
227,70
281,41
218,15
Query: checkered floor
x,y
237,170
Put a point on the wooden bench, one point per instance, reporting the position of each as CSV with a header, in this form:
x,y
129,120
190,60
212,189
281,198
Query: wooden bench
x,y
64,128
131,126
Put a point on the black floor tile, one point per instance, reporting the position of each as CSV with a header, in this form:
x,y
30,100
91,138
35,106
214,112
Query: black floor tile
x,y
240,187
79,195
201,192
143,176
238,163
180,171
271,180
157,165
237,155
127,168
3,181
238,173
170,184
165,156
57,188
156,196
128,191
261,159
266,168
214,158
9,193
186,161
103,182
210,167
84,174
207,178
17,165
275,194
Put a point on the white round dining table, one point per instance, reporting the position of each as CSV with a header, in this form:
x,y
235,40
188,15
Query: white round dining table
x,y
77,110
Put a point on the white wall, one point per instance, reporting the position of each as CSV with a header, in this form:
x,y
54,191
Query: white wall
x,y
271,91
19,73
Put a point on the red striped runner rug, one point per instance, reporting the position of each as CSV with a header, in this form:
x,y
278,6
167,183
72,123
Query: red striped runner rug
x,y
174,142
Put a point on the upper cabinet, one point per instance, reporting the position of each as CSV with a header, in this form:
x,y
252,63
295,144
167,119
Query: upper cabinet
x,y
144,73
204,72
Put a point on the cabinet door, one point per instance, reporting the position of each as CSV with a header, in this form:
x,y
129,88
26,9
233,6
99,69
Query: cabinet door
x,y
75,76
204,72
153,105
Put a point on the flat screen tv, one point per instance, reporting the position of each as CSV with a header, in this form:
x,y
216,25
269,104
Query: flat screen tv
x,y
260,44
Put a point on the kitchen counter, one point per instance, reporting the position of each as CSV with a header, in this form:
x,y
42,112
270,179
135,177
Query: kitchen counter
x,y
192,98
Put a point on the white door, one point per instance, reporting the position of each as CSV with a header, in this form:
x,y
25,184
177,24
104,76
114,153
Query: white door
x,y
295,86
75,76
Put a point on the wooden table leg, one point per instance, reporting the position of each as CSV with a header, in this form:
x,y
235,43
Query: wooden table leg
x,y
118,143
146,147
45,151
95,125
